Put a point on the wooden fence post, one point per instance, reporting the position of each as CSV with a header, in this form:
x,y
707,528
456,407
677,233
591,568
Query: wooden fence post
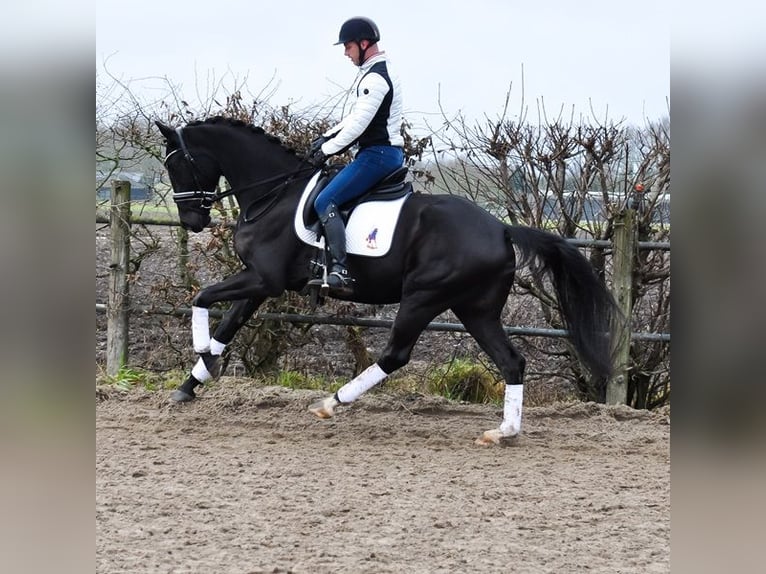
x,y
183,258
622,285
118,299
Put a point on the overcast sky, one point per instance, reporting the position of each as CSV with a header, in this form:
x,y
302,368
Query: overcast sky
x,y
599,56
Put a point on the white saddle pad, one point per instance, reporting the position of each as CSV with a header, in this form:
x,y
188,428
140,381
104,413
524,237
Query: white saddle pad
x,y
369,230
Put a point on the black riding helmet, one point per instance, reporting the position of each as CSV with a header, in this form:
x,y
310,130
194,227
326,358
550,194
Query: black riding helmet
x,y
358,29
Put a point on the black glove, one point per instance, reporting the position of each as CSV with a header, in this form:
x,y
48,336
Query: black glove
x,y
316,144
316,156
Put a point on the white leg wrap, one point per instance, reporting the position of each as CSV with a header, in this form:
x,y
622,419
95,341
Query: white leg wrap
x,y
200,330
355,388
200,371
514,397
216,347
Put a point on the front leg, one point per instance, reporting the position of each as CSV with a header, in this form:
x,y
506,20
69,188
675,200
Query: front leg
x,y
208,366
233,320
245,290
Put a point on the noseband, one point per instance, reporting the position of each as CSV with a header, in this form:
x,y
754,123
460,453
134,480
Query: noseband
x,y
208,198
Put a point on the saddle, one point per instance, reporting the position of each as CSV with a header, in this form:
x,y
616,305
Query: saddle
x,y
389,188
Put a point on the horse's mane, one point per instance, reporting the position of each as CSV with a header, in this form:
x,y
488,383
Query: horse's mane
x,y
237,123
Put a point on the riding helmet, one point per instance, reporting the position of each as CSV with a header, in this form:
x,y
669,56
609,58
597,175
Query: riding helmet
x,y
358,29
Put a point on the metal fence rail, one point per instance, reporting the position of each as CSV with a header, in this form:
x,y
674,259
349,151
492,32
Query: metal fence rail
x,y
369,322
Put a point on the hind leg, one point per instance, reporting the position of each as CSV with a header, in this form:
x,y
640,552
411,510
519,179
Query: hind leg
x,y
413,317
484,324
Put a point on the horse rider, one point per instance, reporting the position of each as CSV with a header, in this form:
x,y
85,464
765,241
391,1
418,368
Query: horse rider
x,y
374,124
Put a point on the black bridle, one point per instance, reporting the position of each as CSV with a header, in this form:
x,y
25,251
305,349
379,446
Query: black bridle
x,y
208,198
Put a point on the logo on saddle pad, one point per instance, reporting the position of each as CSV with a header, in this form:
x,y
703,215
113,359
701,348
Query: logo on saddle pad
x,y
372,239
370,228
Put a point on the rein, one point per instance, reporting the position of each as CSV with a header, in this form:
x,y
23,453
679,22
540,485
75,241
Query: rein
x,y
274,191
208,198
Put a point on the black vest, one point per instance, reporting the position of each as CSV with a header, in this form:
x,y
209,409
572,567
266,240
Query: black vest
x,y
377,132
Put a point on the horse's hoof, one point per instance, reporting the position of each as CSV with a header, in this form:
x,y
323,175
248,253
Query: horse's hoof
x,y
496,436
323,409
179,396
490,437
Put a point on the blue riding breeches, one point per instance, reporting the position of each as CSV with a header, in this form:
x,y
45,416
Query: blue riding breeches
x,y
370,166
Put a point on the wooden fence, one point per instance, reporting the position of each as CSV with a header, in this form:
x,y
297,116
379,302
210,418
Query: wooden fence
x,y
118,307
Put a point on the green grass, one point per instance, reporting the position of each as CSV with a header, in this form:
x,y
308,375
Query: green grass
x,y
460,380
159,212
296,380
463,380
156,211
128,378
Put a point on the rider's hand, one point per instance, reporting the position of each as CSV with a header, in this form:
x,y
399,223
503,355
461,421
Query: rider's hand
x,y
316,144
317,158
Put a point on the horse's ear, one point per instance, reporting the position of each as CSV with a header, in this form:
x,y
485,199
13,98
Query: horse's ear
x,y
167,131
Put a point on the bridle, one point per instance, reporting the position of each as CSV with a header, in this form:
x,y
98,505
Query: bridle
x,y
206,198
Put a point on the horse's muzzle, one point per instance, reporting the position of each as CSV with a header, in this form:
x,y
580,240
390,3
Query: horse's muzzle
x,y
192,228
195,221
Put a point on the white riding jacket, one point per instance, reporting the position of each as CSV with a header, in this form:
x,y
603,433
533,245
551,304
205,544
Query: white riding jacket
x,y
377,113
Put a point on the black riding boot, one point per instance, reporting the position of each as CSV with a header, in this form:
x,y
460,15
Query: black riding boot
x,y
335,235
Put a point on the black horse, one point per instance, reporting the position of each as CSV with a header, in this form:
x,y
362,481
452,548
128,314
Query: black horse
x,y
446,254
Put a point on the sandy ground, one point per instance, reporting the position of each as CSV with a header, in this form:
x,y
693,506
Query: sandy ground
x,y
245,480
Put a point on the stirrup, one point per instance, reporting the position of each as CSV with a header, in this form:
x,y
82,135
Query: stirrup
x,y
317,286
340,283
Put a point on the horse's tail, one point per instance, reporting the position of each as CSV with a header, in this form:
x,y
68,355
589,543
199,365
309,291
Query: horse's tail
x,y
586,306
